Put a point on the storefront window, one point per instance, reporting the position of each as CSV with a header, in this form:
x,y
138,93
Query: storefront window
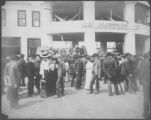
x,y
36,19
21,18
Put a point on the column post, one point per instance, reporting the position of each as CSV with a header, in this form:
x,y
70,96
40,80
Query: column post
x,y
46,18
89,17
129,38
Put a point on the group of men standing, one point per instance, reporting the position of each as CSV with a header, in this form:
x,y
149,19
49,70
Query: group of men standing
x,y
49,71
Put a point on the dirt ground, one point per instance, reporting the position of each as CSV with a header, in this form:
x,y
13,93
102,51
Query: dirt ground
x,y
77,104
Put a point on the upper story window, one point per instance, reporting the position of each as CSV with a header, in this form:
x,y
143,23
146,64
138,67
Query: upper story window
x,y
3,17
67,11
21,18
36,19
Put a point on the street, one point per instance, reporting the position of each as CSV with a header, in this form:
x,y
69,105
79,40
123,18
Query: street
x,y
78,104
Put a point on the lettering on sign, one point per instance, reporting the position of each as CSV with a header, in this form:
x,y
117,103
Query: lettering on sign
x,y
106,25
87,25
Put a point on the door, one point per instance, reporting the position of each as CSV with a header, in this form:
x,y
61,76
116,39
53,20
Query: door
x,y
33,44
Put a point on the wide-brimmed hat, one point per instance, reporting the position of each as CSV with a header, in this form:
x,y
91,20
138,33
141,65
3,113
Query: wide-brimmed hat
x,y
45,55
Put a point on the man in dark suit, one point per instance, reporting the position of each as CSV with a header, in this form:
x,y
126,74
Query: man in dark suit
x,y
30,71
79,71
126,71
110,68
22,68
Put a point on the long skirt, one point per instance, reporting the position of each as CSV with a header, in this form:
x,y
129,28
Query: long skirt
x,y
52,79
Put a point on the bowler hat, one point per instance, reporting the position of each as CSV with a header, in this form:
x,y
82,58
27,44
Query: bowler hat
x,y
95,55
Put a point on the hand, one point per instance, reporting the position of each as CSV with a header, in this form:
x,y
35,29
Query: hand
x,y
130,75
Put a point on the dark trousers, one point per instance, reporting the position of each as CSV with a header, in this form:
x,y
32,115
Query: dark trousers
x,y
83,78
22,81
37,82
94,78
126,83
60,87
72,80
115,83
30,85
12,95
78,81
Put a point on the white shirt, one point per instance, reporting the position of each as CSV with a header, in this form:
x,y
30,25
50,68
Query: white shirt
x,y
44,66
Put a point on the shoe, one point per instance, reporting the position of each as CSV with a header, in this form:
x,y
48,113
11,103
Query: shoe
x,y
110,94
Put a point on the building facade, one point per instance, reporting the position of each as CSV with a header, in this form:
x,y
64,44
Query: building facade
x,y
28,25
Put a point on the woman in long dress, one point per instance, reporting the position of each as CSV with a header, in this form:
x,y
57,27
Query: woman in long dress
x,y
53,68
88,74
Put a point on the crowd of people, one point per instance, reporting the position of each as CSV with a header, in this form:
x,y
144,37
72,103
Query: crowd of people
x,y
50,70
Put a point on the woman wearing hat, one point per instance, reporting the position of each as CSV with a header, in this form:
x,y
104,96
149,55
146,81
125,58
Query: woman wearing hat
x,y
52,75
44,70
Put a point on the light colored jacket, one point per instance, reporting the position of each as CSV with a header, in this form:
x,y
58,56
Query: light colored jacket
x,y
13,74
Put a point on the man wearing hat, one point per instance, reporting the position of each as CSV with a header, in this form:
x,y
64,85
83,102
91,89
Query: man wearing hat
x,y
30,71
22,68
95,73
79,71
126,71
110,68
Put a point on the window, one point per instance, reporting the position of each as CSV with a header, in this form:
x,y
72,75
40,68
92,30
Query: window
x,y
21,18
3,17
36,19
